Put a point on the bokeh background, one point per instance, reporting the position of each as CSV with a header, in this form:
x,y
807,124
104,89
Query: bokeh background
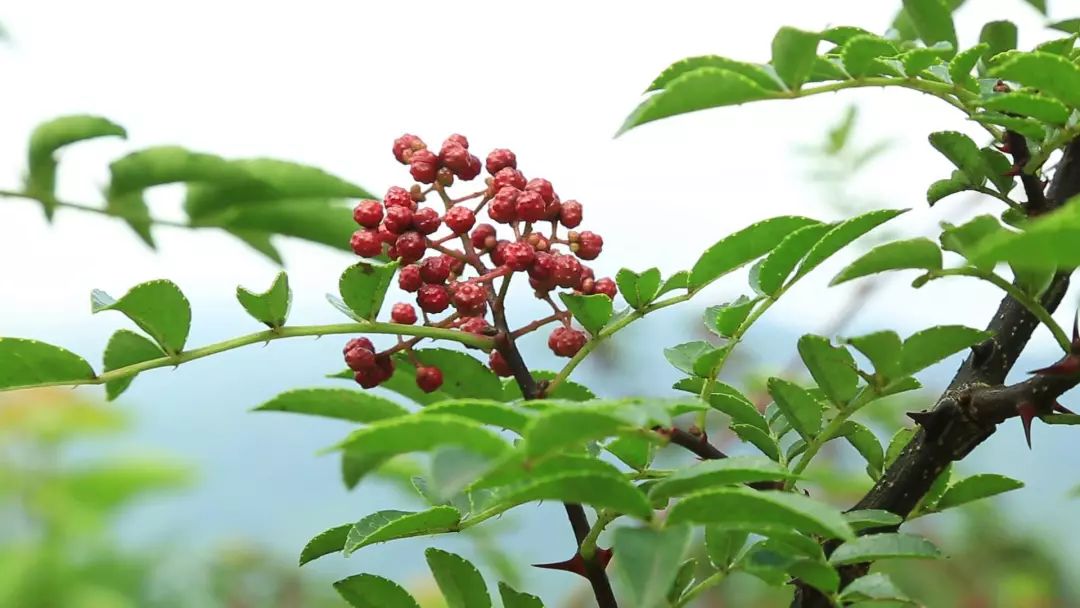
x,y
210,504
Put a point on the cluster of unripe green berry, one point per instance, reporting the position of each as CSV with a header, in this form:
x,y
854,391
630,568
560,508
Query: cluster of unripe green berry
x,y
540,241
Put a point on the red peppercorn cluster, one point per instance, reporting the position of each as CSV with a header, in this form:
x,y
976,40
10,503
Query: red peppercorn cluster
x,y
457,265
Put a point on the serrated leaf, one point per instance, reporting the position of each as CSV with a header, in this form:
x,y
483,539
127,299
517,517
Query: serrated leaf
x,y
167,165
883,349
867,444
459,580
1061,46
516,470
1000,173
343,404
635,452
799,407
752,71
158,307
932,20
601,490
370,591
326,221
558,428
723,544
568,390
484,411
742,247
327,542
883,546
778,265
923,349
683,356
389,525
712,473
966,238
48,138
1038,247
918,253
793,55
963,153
759,439
874,587
975,488
1052,74
363,287
512,598
739,505
963,63
918,59
1024,103
897,443
638,289
679,280
698,89
1028,127
860,55
832,367
1069,26
126,348
947,187
463,375
724,320
730,401
270,307
864,519
999,36
593,311
841,235
648,563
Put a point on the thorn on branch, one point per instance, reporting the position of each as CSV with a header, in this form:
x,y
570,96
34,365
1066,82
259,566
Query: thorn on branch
x,y
577,565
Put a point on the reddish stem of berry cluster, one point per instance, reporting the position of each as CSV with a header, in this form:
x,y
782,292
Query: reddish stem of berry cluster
x,y
464,278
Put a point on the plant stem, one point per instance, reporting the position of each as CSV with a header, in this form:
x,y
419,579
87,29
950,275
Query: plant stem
x,y
97,210
436,333
713,580
588,546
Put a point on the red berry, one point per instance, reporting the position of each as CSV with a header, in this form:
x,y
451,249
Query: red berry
x,y
458,140
499,365
399,197
363,343
385,365
424,166
570,214
366,243
530,206
471,170
426,220
459,219
457,265
566,342
386,236
503,208
605,286
435,270
497,254
469,298
454,156
409,278
588,245
359,359
542,286
483,237
587,286
542,187
433,298
475,325
567,271
519,256
428,378
508,177
368,377
410,247
543,267
368,214
398,219
405,145
499,159
554,208
403,313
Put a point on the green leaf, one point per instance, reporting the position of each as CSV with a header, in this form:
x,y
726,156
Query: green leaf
x,y
864,440
363,288
563,427
743,505
459,580
638,289
679,280
841,235
873,587
776,267
999,36
730,401
568,390
126,348
759,439
388,525
158,307
636,452
695,90
919,253
601,490
463,375
864,519
963,153
752,71
1066,419
947,187
723,544
683,577
976,487
1040,107
883,546
832,367
648,563
47,139
841,34
270,307
166,165
370,591
1069,26
593,311
798,406
512,598
344,404
326,221
327,542
724,320
927,347
961,66
899,441
1028,127
1052,74
401,435
999,173
793,55
683,356
484,411
860,55
932,20
259,241
515,470
1061,46
1038,247
918,59
883,349
966,238
712,473
743,247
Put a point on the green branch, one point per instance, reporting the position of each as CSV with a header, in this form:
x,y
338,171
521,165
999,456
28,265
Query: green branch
x,y
97,210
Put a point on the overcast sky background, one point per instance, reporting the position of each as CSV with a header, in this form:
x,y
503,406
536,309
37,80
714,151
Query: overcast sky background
x,y
332,83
